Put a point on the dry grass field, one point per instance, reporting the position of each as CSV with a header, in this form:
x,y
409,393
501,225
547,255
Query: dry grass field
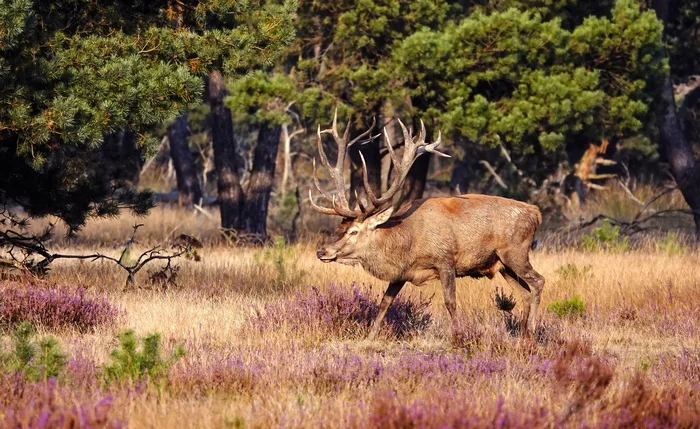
x,y
274,338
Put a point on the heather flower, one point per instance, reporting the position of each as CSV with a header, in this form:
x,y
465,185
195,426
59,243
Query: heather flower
x,y
341,311
54,308
221,374
46,405
447,408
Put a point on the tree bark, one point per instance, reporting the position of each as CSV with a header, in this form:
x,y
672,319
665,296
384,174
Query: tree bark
x,y
679,152
257,199
459,180
188,187
677,148
387,119
121,156
414,186
287,158
228,184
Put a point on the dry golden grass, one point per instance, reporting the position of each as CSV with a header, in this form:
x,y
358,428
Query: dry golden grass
x,y
641,308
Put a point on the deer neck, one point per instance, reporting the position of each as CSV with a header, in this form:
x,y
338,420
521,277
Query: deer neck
x,y
387,255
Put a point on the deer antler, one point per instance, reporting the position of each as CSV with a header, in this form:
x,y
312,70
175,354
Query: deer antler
x,y
339,201
413,148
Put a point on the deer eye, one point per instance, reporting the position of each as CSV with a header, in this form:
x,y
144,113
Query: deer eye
x,y
353,232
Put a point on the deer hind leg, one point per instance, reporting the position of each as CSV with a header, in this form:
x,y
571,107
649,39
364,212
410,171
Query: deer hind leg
x,y
449,284
518,262
391,292
523,290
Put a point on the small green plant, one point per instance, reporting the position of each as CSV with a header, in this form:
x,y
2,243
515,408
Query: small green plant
x,y
605,237
670,244
288,210
572,307
645,364
284,262
37,361
570,272
131,364
506,303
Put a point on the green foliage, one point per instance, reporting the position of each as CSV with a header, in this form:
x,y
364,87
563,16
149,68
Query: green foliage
x,y
130,364
605,237
670,244
682,36
354,40
570,272
645,363
283,261
527,81
572,307
72,73
288,210
36,361
261,98
544,81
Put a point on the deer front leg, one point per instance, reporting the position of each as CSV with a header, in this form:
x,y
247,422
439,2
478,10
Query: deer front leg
x,y
391,292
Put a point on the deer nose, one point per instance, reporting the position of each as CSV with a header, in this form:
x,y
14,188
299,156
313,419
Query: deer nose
x,y
320,254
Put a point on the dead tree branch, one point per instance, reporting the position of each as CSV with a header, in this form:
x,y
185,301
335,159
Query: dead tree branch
x,y
22,248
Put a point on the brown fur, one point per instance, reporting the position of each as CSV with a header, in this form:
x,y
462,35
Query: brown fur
x,y
443,238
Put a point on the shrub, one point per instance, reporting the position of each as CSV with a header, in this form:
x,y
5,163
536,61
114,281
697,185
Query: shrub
x,y
46,405
54,308
506,303
605,237
341,311
36,361
572,273
573,306
130,364
670,244
283,261
449,409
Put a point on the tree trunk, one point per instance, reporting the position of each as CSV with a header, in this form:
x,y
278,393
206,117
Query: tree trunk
x,y
287,172
188,188
387,119
459,180
677,148
262,177
287,158
414,186
121,156
228,183
679,152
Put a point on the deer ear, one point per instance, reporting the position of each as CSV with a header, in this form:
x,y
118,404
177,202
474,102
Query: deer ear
x,y
378,219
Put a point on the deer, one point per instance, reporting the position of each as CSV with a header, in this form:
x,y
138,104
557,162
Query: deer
x,y
439,238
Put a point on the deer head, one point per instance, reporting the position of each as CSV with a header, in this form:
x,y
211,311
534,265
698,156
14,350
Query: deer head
x,y
359,223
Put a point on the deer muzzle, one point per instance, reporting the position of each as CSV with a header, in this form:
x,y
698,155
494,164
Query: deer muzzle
x,y
325,257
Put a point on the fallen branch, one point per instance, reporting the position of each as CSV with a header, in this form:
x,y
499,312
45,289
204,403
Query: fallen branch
x,y
493,173
32,245
636,224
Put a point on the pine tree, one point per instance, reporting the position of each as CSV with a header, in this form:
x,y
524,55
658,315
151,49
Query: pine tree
x,y
73,72
535,84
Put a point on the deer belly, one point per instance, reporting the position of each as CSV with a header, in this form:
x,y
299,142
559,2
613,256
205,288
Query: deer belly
x,y
477,269
422,276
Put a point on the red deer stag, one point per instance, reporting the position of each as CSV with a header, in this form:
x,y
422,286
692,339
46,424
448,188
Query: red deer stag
x,y
434,238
